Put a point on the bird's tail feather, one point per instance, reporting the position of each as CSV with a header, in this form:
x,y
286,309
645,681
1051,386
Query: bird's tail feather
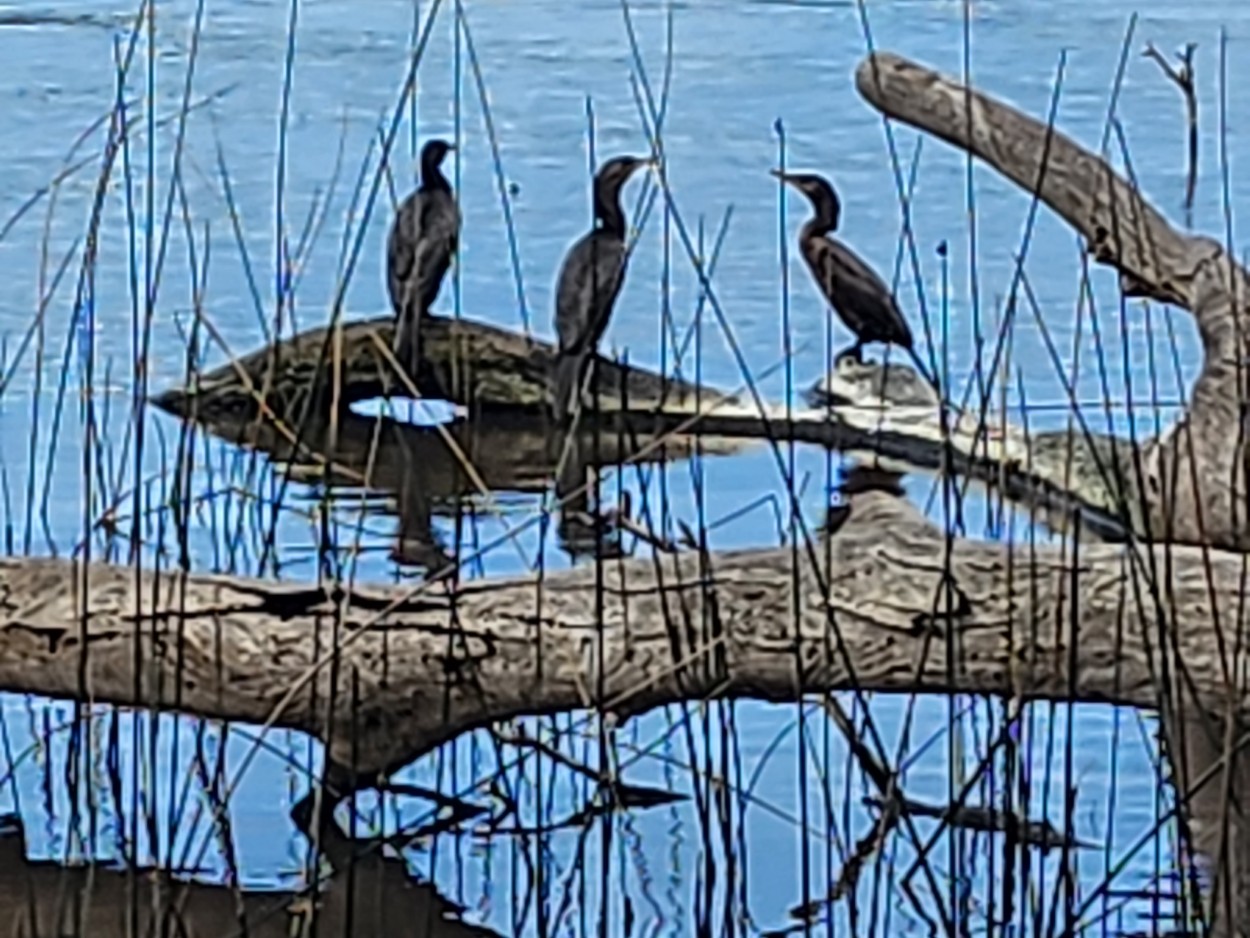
x,y
567,384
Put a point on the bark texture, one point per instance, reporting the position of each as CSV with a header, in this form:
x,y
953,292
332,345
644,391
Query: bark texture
x,y
1191,485
462,361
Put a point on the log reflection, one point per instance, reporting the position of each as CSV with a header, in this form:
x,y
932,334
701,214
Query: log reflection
x,y
376,897
428,471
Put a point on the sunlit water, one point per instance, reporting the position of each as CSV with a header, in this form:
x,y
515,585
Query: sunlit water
x,y
547,66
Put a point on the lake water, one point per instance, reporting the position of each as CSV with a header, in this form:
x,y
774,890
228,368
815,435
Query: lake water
x,y
737,68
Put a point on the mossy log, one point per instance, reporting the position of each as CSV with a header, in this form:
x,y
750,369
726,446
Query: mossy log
x,y
870,410
464,362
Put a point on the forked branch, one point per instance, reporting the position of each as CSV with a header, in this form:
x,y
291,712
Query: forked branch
x,y
1192,478
1182,76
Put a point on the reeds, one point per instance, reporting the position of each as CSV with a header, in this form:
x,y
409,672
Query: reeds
x,y
551,851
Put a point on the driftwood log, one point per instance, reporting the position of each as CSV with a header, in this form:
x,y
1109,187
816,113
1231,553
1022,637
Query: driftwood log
x,y
1191,487
1153,622
878,608
463,658
880,412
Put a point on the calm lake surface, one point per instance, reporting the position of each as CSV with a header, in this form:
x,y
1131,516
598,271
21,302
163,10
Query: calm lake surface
x,y
737,68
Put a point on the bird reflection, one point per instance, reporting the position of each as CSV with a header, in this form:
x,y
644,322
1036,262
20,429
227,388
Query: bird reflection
x,y
425,472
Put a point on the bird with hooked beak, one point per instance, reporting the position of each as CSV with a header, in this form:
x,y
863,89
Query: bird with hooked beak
x,y
422,241
590,280
857,294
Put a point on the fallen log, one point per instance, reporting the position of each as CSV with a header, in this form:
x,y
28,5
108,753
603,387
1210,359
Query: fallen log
x,y
867,410
1179,651
1186,487
303,380
462,658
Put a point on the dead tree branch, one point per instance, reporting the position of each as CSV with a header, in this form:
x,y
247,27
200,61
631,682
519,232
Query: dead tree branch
x,y
1192,481
1182,75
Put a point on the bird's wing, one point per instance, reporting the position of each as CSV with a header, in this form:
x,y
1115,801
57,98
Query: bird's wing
x,y
439,231
400,253
423,238
858,293
589,284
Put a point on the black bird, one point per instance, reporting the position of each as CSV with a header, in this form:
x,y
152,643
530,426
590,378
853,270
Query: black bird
x,y
590,280
422,241
860,297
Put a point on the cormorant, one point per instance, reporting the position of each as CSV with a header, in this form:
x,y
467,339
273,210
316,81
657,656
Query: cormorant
x,y
590,280
860,297
422,241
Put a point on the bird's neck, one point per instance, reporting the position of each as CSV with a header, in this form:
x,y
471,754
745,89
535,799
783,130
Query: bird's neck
x,y
608,213
432,178
824,221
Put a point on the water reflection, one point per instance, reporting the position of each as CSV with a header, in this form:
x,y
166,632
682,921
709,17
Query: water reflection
x,y
48,898
424,472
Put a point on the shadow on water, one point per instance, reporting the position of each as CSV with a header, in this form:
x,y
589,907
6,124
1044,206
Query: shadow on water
x,y
369,894
34,18
445,470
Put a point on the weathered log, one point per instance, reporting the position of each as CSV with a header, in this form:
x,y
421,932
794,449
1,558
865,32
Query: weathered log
x,y
1186,487
459,659
892,412
1192,485
1187,492
469,362
863,409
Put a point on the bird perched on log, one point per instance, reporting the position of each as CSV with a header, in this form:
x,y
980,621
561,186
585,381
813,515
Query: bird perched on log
x,y
423,238
590,280
859,297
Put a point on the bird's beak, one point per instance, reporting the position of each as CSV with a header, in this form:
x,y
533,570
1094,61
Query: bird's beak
x,y
451,146
784,177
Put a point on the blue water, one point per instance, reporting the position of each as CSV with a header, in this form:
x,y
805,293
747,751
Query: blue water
x,y
737,67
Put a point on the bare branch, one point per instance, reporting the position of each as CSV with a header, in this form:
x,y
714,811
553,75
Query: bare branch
x,y
1191,476
1182,75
